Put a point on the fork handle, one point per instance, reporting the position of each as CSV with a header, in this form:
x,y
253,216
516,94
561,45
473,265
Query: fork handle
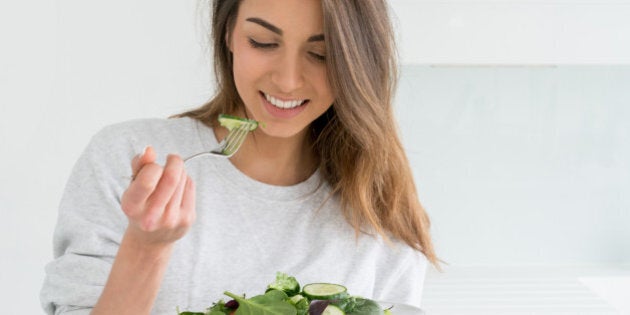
x,y
196,156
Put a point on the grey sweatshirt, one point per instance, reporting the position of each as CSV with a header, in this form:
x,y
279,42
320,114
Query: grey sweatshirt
x,y
245,230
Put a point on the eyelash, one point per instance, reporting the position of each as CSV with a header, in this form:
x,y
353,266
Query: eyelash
x,y
318,56
256,44
259,45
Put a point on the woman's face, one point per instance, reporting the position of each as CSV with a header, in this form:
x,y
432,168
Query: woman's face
x,y
279,63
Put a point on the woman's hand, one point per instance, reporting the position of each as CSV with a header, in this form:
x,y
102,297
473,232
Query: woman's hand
x,y
160,205
160,201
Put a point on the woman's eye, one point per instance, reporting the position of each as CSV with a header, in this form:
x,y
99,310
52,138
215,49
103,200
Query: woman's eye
x,y
256,44
318,56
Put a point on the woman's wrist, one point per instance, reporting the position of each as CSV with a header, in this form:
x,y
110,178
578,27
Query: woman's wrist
x,y
137,270
134,242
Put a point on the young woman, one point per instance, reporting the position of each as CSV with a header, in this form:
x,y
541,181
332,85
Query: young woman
x,y
322,192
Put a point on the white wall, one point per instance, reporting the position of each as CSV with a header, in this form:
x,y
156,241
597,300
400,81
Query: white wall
x,y
522,165
68,68
495,150
527,32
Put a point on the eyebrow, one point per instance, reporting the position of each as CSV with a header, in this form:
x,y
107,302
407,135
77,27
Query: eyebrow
x,y
316,38
265,24
277,30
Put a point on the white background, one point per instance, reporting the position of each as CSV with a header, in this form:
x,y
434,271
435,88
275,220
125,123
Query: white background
x,y
518,161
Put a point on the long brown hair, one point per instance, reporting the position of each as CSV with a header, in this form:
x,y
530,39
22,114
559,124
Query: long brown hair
x,y
356,140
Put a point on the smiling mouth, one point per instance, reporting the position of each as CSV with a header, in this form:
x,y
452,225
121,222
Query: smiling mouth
x,y
283,104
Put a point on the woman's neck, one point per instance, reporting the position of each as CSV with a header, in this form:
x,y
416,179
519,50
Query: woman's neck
x,y
272,160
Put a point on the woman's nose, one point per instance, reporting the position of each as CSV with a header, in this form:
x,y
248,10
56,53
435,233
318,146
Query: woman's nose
x,y
288,75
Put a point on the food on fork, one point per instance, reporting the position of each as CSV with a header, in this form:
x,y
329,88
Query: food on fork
x,y
231,122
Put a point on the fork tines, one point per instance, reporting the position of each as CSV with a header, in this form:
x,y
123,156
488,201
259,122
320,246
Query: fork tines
x,y
234,139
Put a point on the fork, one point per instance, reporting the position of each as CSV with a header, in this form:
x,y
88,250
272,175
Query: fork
x,y
228,146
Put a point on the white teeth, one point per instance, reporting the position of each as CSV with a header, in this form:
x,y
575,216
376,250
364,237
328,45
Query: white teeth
x,y
282,104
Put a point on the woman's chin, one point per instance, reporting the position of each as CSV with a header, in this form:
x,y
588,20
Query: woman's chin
x,y
278,132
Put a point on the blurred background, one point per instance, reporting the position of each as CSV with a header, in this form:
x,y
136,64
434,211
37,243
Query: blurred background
x,y
514,115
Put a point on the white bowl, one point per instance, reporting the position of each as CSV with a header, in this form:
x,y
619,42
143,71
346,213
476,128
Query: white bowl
x,y
401,309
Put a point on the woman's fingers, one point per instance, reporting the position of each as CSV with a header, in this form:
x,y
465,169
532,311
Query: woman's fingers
x,y
171,217
156,204
160,201
187,206
140,189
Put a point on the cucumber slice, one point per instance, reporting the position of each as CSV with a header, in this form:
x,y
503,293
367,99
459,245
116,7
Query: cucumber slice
x,y
324,291
333,310
230,122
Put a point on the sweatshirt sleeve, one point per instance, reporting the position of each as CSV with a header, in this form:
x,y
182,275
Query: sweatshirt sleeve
x,y
404,279
90,225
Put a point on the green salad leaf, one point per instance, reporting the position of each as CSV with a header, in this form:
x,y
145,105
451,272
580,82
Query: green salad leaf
x,y
283,297
274,302
285,283
301,304
219,308
359,306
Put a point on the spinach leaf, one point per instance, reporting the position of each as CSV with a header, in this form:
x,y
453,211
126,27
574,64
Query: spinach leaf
x,y
273,302
189,313
220,308
366,307
355,305
347,304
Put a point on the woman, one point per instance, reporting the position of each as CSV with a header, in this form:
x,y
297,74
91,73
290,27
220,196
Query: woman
x,y
322,192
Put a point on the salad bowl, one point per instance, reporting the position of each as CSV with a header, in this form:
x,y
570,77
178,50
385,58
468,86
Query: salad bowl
x,y
401,309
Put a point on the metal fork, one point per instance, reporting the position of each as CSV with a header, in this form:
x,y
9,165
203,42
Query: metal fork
x,y
228,146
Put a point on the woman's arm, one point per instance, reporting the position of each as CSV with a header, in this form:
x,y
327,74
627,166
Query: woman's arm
x,y
159,204
134,280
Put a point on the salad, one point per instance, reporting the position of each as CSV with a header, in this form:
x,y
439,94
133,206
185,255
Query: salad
x,y
285,297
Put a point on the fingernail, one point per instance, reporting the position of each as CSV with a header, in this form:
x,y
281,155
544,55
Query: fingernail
x,y
145,150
